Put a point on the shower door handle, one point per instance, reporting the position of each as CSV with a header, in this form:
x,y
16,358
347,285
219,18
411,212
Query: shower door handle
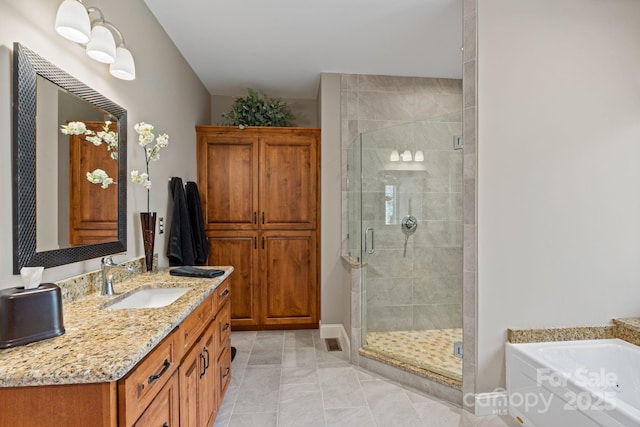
x,y
366,241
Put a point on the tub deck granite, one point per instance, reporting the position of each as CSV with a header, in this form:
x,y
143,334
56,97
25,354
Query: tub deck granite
x,y
627,329
101,345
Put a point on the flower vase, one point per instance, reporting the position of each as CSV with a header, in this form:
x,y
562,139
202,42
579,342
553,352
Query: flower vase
x,y
148,223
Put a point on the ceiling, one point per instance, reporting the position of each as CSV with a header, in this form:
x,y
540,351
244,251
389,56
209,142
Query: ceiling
x,y
280,47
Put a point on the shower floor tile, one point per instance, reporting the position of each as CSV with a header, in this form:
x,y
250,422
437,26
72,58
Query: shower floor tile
x,y
427,349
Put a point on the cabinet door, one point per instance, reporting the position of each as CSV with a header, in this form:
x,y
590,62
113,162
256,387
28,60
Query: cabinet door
x,y
289,277
164,409
191,370
288,181
239,249
228,181
198,381
208,395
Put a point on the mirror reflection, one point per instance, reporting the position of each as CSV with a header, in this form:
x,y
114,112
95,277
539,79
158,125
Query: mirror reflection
x,y
84,212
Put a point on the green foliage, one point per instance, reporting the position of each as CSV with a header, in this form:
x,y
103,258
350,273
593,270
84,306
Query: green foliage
x,y
257,109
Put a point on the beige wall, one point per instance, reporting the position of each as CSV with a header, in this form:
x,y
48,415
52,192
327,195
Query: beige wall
x,y
558,168
165,93
335,284
305,110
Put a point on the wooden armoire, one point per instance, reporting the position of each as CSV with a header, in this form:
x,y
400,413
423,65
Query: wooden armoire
x,y
261,205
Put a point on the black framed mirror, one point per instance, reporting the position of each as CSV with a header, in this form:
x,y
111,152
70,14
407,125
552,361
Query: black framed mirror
x,y
29,69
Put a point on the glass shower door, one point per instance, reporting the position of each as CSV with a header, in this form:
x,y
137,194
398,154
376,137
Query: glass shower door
x,y
411,213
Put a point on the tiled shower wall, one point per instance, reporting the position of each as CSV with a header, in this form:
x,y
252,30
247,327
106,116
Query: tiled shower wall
x,y
422,288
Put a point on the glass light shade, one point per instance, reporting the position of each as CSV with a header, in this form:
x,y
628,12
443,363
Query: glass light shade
x,y
102,46
395,156
72,21
419,156
123,68
406,156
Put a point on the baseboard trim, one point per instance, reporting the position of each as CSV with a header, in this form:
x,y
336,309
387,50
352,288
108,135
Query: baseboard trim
x,y
495,403
336,330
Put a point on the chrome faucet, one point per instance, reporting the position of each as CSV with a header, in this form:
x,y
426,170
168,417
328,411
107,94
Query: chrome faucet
x,y
107,266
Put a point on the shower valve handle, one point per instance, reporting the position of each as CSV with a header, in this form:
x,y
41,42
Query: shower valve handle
x,y
409,224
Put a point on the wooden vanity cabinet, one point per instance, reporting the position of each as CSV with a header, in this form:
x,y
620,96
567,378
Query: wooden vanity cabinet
x,y
260,195
181,382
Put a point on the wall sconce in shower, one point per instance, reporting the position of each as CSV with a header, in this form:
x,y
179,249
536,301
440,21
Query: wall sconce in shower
x,y
406,156
73,23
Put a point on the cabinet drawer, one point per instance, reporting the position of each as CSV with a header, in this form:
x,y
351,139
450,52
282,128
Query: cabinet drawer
x,y
224,326
224,364
193,326
221,295
141,385
164,410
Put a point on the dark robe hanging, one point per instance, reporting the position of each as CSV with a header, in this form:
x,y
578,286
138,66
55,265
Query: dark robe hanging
x,y
197,223
181,248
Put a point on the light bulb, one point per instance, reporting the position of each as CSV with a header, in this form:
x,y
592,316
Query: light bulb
x,y
406,156
395,156
419,156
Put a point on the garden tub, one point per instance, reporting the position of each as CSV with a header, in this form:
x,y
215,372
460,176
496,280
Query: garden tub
x,y
574,383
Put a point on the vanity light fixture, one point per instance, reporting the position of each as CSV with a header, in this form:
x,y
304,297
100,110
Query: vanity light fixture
x,y
406,156
73,23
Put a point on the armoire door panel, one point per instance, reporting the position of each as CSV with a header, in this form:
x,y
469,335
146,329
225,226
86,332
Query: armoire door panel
x,y
289,277
288,185
231,184
93,210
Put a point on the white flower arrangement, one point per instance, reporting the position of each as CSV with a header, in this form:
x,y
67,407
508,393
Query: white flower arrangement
x,y
99,176
145,138
106,136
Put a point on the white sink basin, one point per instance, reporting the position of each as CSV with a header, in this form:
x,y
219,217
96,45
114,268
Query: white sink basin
x,y
150,298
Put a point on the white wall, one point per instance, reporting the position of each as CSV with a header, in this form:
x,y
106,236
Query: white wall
x,y
558,168
165,93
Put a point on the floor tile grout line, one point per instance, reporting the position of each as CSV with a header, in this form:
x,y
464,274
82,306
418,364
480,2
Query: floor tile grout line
x,y
244,373
375,423
315,360
284,339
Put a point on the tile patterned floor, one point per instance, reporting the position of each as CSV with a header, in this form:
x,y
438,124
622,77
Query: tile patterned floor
x,y
288,379
427,349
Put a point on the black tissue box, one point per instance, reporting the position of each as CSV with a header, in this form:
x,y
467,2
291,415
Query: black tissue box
x,y
29,315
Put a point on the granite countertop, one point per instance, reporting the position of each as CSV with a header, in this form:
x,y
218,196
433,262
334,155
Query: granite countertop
x,y
627,329
102,345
